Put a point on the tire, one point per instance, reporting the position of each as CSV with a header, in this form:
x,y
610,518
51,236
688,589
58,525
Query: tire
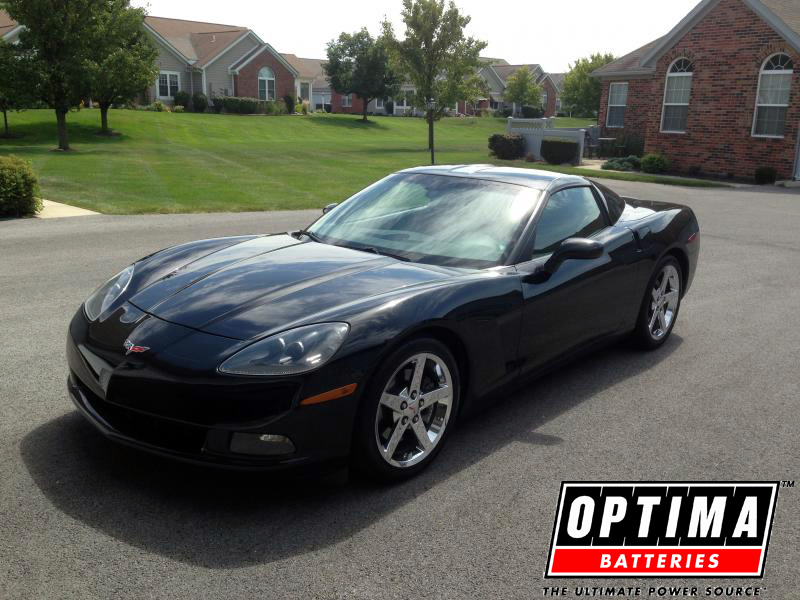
x,y
403,406
660,305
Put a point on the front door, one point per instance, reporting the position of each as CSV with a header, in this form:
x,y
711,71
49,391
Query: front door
x,y
583,300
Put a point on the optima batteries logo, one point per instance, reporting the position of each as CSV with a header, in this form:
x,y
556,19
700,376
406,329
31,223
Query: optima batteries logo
x,y
687,529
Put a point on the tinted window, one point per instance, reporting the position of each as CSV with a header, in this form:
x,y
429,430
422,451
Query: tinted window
x,y
615,204
573,212
436,219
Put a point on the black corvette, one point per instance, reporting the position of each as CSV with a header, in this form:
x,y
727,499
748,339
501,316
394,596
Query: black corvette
x,y
370,333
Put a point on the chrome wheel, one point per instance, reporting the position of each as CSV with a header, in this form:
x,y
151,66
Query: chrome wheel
x,y
665,297
414,410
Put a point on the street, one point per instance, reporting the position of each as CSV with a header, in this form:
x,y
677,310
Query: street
x,y
82,518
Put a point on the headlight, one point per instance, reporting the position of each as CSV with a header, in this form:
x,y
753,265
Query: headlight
x,y
105,295
289,353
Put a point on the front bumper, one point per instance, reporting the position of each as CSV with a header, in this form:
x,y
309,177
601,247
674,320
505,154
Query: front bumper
x,y
194,419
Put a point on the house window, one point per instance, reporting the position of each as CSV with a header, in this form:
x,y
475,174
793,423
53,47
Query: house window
x,y
772,99
379,103
168,84
305,91
544,99
266,84
347,101
617,104
677,91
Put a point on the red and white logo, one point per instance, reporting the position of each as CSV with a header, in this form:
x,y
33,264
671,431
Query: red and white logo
x,y
131,348
688,529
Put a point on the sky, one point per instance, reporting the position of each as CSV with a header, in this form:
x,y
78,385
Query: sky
x,y
550,33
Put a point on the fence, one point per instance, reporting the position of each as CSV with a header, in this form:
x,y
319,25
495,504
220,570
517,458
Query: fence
x,y
536,130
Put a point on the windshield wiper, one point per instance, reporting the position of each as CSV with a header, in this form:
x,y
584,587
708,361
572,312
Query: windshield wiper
x,y
313,236
373,250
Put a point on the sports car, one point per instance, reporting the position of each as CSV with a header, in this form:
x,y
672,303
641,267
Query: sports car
x,y
365,337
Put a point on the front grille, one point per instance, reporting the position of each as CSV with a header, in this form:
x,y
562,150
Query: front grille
x,y
207,404
162,433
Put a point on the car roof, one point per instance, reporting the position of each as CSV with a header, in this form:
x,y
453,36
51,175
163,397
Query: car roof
x,y
533,178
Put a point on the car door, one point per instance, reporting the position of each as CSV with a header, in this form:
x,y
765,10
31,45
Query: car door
x,y
583,300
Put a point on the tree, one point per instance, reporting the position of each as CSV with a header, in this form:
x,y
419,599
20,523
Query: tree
x,y
17,80
581,93
58,34
359,64
124,60
522,89
435,55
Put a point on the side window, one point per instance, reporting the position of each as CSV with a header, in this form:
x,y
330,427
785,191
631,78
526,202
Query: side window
x,y
573,212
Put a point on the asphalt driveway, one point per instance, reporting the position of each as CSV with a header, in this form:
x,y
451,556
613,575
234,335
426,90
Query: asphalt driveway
x,y
82,518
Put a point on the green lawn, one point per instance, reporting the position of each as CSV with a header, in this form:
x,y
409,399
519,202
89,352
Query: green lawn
x,y
164,162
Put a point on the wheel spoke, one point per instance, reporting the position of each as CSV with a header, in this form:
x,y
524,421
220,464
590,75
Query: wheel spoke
x,y
422,435
653,319
671,297
662,320
662,288
393,401
656,293
441,396
397,435
419,369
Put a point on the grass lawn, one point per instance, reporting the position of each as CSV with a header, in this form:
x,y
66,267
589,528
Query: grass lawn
x,y
164,162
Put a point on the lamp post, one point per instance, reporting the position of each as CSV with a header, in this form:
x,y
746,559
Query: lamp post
x,y
431,107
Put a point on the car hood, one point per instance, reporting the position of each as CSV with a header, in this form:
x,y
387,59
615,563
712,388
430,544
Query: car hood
x,y
268,283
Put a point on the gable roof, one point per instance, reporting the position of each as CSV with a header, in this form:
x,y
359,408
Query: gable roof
x,y
782,15
307,68
557,79
505,71
197,42
7,24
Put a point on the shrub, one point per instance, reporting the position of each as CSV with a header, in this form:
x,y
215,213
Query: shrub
x,y
388,106
182,98
328,108
616,164
558,152
305,107
655,163
529,157
766,175
157,106
531,112
298,108
178,108
18,188
503,113
290,103
508,146
199,102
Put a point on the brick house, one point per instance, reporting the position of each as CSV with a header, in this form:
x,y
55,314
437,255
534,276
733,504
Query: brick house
x,y
719,94
496,72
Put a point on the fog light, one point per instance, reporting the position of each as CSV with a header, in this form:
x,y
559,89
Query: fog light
x,y
261,444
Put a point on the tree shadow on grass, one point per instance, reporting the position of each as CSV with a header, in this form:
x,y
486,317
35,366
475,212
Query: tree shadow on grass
x,y
230,520
32,135
348,123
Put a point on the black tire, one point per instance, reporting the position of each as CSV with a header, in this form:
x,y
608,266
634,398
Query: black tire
x,y
644,335
367,457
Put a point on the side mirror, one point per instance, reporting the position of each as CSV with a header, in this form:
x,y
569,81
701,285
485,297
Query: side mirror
x,y
329,208
570,249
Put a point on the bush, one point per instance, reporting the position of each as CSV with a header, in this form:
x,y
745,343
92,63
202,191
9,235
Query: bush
x,y
503,113
328,108
629,163
388,106
199,102
178,108
182,99
508,146
655,163
290,103
305,107
18,188
157,106
531,112
558,152
766,175
298,108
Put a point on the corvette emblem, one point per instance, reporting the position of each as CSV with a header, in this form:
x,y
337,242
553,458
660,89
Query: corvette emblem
x,y
131,348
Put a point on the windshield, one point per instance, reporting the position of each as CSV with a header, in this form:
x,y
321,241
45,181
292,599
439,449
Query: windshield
x,y
435,219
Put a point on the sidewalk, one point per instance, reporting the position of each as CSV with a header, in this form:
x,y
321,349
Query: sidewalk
x,y
56,210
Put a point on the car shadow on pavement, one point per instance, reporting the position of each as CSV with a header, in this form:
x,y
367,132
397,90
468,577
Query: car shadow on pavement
x,y
219,519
